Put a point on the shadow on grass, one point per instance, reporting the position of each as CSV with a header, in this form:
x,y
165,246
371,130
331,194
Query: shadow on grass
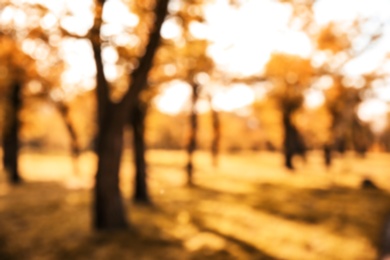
x,y
45,220
232,248
133,245
343,211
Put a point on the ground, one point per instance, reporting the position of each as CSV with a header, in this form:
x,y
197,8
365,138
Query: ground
x,y
249,207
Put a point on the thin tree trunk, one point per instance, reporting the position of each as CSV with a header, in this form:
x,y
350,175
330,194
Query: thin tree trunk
x,y
192,134
293,142
102,86
131,99
138,124
288,141
11,139
140,74
327,155
74,144
384,250
216,136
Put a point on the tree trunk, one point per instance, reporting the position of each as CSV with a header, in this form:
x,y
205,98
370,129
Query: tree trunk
x,y
11,139
108,208
138,124
140,74
293,141
109,212
216,137
131,100
74,144
327,155
288,141
192,134
384,250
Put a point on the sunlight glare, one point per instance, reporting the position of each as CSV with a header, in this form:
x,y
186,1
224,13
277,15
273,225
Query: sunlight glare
x,y
20,18
7,14
244,47
293,42
236,97
202,106
347,10
36,49
48,21
314,98
171,29
323,83
124,39
174,6
117,14
110,55
111,72
374,111
174,97
383,93
198,30
81,17
78,56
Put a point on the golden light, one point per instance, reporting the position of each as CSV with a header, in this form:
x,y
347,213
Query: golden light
x,y
242,39
374,111
174,97
235,97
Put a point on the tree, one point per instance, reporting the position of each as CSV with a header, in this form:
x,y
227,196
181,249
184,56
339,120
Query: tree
x,y
137,121
216,125
196,62
17,68
64,110
340,43
290,76
39,64
108,208
137,118
184,57
10,137
348,131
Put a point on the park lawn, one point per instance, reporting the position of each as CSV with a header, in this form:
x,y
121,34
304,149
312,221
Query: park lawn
x,y
249,207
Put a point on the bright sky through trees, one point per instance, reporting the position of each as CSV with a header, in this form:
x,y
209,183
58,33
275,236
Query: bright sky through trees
x,y
242,39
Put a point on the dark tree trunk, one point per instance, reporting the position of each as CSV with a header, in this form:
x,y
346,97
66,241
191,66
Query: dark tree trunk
x,y
74,144
216,137
362,137
138,124
108,208
327,155
192,134
293,141
288,141
10,138
384,249
109,211
131,100
140,74
341,144
288,159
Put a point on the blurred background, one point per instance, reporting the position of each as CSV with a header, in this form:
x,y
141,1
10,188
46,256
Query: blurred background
x,y
207,129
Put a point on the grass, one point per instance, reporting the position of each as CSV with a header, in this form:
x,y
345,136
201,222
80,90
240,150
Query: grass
x,y
247,208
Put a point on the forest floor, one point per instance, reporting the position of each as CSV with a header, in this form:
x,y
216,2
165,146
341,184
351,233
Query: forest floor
x,y
249,207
